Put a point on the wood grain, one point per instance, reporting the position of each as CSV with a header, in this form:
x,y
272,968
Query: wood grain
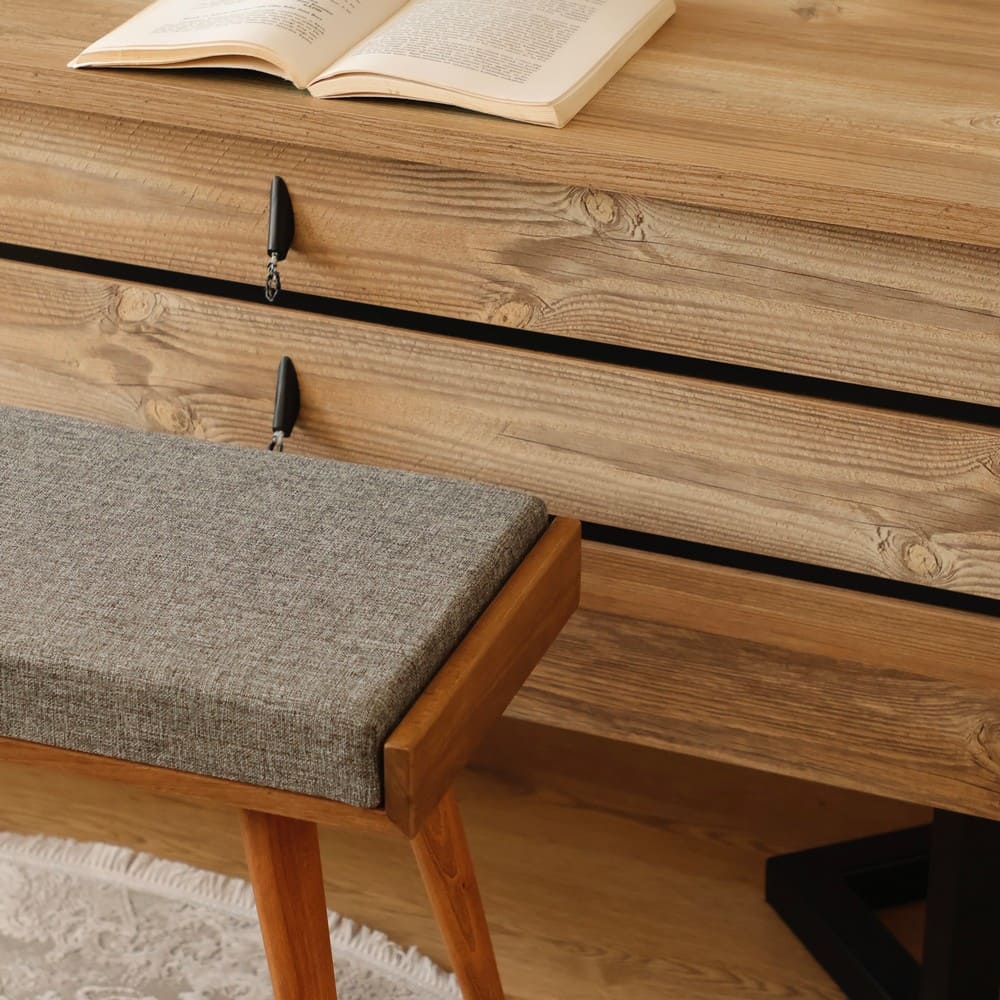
x,y
611,871
165,781
873,491
849,305
469,693
831,685
867,114
287,875
442,854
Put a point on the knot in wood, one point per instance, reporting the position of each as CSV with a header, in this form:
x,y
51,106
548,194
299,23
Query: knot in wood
x,y
619,215
601,207
170,415
134,304
984,744
910,553
812,10
517,312
989,122
921,560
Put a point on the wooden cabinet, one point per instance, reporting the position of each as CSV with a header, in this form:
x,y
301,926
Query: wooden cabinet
x,y
578,262
746,307
869,490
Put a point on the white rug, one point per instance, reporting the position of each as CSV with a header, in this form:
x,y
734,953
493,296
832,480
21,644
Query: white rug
x,y
95,922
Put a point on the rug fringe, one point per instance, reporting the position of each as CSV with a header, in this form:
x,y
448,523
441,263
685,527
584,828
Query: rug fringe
x,y
138,870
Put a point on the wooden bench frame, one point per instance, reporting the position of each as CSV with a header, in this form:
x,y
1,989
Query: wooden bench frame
x,y
422,757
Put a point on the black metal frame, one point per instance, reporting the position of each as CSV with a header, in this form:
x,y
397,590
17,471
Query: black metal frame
x,y
829,896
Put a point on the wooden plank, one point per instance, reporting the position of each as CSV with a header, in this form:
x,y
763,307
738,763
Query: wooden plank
x,y
185,785
893,495
439,734
901,313
870,114
848,689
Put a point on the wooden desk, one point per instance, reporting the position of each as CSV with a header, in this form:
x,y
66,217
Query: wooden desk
x,y
748,301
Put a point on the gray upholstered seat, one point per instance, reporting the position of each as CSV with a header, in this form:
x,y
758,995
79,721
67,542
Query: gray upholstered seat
x,y
265,618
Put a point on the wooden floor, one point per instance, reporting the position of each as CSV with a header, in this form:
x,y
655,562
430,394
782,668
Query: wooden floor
x,y
609,871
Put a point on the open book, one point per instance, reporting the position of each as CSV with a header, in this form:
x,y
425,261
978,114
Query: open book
x,y
535,60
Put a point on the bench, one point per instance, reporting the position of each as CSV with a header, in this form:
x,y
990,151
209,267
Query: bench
x,y
309,641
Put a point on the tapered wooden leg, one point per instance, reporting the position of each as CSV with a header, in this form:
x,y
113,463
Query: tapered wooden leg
x,y
442,854
285,869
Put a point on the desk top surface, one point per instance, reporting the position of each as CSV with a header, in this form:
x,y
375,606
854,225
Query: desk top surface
x,y
880,114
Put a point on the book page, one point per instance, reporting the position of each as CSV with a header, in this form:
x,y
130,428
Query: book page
x,y
531,51
306,34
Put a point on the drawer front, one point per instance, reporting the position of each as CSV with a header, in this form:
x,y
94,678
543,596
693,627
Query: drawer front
x,y
906,497
885,696
839,304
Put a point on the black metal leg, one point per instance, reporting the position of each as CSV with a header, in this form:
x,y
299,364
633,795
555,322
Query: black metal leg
x,y
962,931
829,897
821,895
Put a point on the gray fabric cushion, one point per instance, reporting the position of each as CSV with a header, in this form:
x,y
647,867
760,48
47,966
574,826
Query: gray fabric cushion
x,y
236,613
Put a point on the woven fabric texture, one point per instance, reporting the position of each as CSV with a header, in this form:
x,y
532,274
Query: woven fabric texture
x,y
236,613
